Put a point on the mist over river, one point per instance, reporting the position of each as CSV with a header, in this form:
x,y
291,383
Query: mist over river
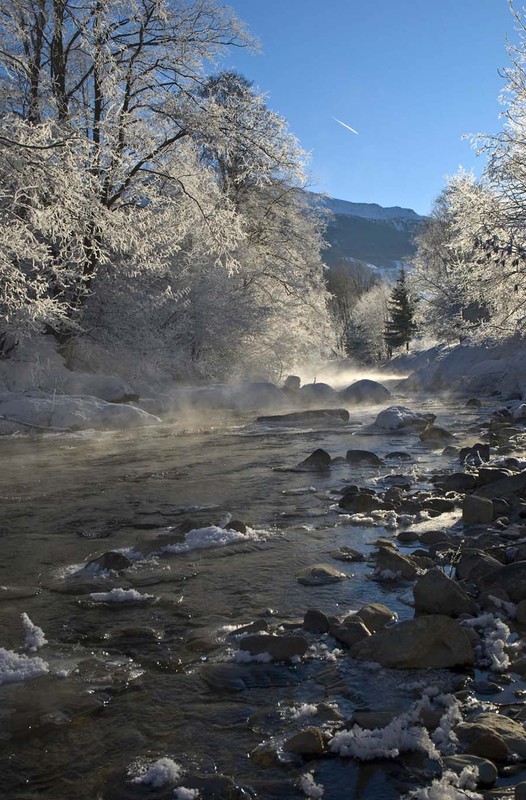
x,y
134,681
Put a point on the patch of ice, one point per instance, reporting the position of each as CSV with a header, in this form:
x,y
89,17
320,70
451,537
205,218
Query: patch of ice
x,y
323,652
15,668
244,657
304,710
183,793
119,595
35,638
449,787
510,609
309,787
404,732
495,634
162,772
209,537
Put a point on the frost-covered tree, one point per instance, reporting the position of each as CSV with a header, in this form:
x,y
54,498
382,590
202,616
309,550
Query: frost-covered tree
x,y
366,332
108,91
346,283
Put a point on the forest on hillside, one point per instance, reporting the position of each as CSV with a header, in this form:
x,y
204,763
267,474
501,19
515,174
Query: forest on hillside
x,y
154,214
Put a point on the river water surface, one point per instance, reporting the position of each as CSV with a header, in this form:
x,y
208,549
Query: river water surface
x,y
129,683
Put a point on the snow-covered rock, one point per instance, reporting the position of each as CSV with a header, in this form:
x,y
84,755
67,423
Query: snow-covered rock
x,y
59,412
400,418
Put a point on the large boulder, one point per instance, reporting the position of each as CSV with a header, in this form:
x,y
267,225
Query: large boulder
x,y
434,641
318,394
365,391
435,593
402,419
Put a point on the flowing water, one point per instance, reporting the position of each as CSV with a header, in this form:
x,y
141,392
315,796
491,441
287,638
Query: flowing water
x,y
129,683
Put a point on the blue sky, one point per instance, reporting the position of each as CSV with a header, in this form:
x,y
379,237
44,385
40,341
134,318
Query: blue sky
x,y
411,76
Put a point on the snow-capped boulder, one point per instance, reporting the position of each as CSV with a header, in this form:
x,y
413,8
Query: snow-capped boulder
x,y
59,412
400,418
365,391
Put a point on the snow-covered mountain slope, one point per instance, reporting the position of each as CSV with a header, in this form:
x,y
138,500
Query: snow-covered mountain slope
x,y
370,211
367,232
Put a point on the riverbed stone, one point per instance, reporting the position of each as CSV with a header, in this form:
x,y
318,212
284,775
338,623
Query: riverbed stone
x,y
347,554
477,510
359,502
391,560
318,394
316,621
457,482
375,615
319,459
280,648
435,593
511,576
475,563
487,771
111,560
350,631
365,391
308,742
432,641
435,436
510,731
319,574
363,457
504,487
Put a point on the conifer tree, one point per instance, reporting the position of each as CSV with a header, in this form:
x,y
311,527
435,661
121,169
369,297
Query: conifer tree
x,y
400,326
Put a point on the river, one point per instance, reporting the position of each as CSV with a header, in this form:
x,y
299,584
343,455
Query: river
x,y
127,682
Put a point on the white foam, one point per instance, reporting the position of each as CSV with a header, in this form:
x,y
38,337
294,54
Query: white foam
x,y
15,668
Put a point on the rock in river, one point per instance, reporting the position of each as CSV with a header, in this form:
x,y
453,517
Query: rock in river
x,y
435,593
280,648
319,574
433,641
366,391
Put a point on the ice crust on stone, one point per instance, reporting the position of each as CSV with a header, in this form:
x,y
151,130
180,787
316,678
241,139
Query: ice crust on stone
x,y
183,793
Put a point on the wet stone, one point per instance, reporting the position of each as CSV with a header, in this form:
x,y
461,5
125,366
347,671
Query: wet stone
x,y
375,615
316,621
309,742
280,648
110,561
319,459
319,574
363,457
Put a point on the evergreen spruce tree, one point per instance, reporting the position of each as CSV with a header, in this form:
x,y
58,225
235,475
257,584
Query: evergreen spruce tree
x,y
400,326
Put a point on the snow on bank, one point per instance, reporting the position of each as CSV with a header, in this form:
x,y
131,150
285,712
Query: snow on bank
x,y
468,368
40,411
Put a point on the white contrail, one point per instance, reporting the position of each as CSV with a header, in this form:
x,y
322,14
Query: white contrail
x,y
345,126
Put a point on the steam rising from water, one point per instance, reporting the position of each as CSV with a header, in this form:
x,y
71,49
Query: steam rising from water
x,y
341,374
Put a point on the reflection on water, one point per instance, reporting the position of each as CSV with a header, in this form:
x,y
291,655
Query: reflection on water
x,y
127,680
